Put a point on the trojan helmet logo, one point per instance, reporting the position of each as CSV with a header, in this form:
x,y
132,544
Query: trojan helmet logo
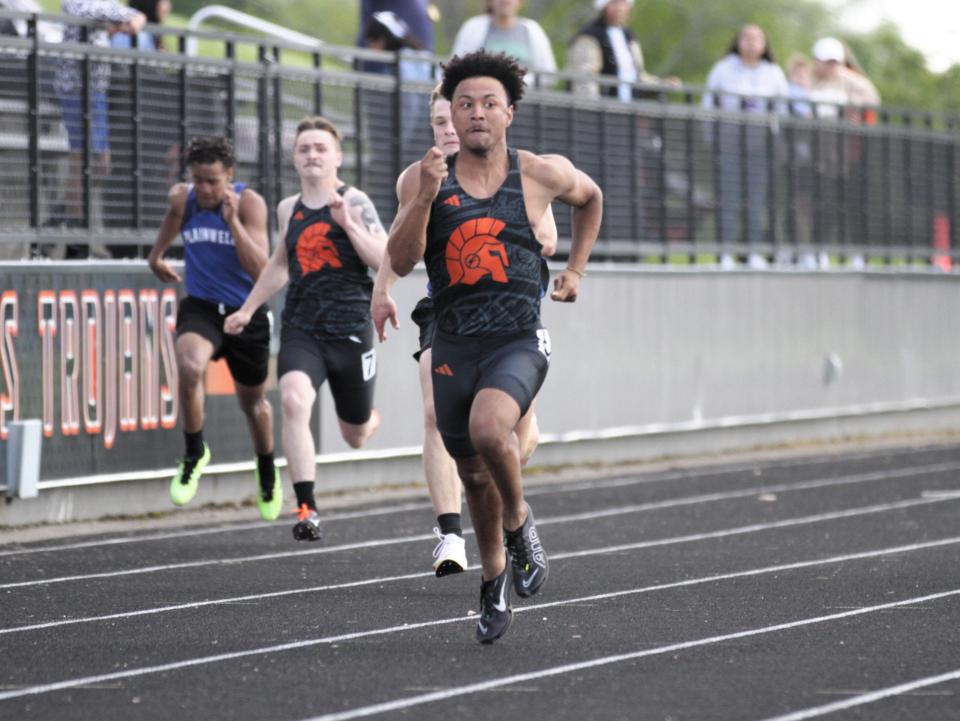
x,y
315,249
473,252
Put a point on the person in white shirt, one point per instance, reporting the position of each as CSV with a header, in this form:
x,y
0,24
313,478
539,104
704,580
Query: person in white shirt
x,y
745,80
502,30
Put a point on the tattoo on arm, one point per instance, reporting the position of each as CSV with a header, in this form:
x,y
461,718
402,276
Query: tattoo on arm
x,y
369,214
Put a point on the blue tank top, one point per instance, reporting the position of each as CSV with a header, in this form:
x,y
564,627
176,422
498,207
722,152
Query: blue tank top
x,y
213,269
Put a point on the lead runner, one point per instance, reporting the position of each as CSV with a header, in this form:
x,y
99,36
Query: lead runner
x,y
474,217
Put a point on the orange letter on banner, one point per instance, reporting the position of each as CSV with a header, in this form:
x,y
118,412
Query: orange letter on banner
x,y
69,364
149,359
168,385
110,369
127,355
90,323
47,327
10,398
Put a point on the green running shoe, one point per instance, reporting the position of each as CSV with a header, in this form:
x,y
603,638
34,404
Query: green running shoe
x,y
269,501
183,486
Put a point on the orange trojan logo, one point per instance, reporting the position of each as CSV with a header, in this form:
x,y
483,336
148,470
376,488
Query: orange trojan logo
x,y
315,249
473,252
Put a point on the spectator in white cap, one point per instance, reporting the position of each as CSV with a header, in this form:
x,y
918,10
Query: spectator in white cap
x,y
838,80
502,30
607,47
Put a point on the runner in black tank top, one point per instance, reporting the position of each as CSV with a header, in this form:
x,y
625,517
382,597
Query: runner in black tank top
x,y
489,353
331,235
329,291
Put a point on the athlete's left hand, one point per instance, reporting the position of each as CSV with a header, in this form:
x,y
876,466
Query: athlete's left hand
x,y
231,206
382,309
566,286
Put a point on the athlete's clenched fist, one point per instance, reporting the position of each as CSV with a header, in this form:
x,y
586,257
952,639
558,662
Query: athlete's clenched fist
x,y
433,171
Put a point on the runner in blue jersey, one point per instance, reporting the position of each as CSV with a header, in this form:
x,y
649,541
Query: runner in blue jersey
x,y
223,225
331,235
449,555
473,218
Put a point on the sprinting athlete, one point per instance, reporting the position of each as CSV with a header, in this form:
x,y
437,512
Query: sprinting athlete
x,y
474,218
449,555
223,224
331,234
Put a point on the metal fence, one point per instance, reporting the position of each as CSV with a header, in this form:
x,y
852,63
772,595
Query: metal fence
x,y
682,182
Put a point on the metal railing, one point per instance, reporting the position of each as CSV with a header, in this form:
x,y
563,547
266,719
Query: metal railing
x,y
683,182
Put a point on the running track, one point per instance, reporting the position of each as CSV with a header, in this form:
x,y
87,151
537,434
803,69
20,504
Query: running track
x,y
820,586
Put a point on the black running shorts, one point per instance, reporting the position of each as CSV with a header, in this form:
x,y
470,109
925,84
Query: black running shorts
x,y
516,364
426,319
247,354
350,364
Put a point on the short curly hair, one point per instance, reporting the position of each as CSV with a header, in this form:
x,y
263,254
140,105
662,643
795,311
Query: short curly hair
x,y
481,64
208,150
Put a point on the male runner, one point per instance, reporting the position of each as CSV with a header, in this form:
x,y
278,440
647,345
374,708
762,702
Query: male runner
x,y
439,469
224,228
331,235
473,217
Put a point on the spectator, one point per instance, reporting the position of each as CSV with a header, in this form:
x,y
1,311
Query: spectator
x,y
607,47
156,12
838,80
419,15
502,30
387,31
112,18
744,80
799,80
839,84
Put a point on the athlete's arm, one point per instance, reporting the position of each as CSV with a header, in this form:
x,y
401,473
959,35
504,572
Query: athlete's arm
x,y
382,306
273,277
247,220
555,177
408,234
168,232
356,214
546,232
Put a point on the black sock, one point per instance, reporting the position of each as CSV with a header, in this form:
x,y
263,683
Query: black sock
x,y
265,469
304,491
450,523
194,443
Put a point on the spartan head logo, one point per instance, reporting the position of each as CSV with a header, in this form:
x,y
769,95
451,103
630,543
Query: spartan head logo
x,y
473,252
315,249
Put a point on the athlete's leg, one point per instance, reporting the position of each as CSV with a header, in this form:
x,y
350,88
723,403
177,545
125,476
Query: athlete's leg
x,y
259,413
356,434
483,500
297,396
438,467
193,353
528,434
493,418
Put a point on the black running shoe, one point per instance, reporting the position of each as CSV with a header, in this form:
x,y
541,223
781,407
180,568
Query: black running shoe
x,y
308,524
527,556
495,611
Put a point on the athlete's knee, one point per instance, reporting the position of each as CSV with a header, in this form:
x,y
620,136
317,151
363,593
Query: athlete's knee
x,y
254,404
296,403
489,436
190,370
473,473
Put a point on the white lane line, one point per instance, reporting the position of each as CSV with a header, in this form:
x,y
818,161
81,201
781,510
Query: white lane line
x,y
419,700
654,543
621,510
869,697
618,481
450,693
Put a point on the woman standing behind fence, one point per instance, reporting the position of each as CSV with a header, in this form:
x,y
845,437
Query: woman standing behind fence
x,y
744,80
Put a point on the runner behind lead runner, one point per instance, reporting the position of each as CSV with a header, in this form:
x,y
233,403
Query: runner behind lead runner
x,y
473,218
331,234
223,224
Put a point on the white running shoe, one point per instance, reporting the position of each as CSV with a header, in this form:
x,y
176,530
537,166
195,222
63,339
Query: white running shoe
x,y
450,555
